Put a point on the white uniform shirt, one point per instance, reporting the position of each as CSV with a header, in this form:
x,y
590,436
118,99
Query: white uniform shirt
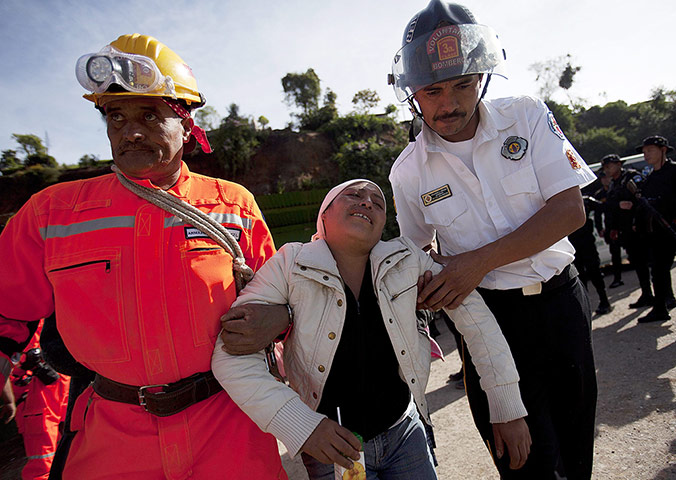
x,y
521,158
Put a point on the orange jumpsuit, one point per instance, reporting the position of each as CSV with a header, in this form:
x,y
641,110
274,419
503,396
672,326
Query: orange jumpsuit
x,y
38,417
138,295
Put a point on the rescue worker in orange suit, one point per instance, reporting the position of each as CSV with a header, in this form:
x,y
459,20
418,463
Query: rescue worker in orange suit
x,y
40,396
138,291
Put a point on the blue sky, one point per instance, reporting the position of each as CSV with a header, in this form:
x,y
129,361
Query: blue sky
x,y
240,50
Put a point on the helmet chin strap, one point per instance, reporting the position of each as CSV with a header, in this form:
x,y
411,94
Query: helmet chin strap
x,y
417,114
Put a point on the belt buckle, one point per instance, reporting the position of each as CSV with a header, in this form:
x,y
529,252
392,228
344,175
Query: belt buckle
x,y
534,289
142,393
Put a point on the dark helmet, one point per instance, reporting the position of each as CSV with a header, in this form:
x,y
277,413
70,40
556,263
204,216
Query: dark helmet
x,y
613,157
657,140
444,41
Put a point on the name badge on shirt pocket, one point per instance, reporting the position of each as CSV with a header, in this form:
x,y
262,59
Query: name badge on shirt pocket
x,y
436,195
192,232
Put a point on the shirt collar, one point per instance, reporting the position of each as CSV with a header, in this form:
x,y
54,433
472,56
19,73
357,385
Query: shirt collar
x,y
491,122
180,189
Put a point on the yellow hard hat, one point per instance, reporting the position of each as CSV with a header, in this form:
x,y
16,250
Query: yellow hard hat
x,y
137,65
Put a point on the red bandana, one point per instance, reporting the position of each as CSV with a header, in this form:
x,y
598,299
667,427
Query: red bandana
x,y
197,132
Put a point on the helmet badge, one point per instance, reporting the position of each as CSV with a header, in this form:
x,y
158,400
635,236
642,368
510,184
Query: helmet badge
x,y
443,47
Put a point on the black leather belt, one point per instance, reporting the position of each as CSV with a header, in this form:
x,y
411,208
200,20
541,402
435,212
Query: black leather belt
x,y
161,400
566,275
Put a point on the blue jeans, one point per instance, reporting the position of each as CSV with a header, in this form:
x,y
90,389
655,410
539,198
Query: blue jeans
x,y
400,453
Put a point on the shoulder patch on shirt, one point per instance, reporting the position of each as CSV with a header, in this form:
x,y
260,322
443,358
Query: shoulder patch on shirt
x,y
554,127
514,148
436,195
192,232
574,162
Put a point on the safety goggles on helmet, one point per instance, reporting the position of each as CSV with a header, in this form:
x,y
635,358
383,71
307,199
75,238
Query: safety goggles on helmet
x,y
447,52
134,73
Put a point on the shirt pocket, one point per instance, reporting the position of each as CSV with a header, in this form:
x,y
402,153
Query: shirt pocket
x,y
522,192
89,314
453,219
523,183
210,288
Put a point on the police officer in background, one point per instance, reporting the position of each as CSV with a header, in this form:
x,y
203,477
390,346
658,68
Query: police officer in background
x,y
659,189
498,183
587,259
620,215
601,221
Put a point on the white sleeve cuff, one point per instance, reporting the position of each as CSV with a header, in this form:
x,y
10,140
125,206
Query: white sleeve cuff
x,y
505,404
293,424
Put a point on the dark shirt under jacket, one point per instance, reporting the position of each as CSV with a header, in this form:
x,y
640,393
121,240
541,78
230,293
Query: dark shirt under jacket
x,y
364,379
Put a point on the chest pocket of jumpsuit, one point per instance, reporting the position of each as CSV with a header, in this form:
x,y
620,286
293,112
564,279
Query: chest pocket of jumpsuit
x,y
522,190
209,288
88,301
452,218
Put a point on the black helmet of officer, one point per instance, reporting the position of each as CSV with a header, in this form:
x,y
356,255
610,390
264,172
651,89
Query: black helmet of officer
x,y
441,42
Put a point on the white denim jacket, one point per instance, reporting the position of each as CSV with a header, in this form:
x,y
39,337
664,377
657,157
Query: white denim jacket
x,y
306,277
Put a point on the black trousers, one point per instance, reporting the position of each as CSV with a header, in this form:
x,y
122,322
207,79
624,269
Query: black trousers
x,y
638,259
660,259
550,338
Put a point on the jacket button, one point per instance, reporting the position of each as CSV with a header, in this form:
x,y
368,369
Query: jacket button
x,y
403,352
332,335
387,261
391,320
314,395
303,268
413,380
321,368
340,302
325,277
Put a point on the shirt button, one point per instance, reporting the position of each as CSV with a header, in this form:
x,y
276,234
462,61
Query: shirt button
x,y
413,380
387,261
303,268
340,302
314,395
403,352
391,320
332,335
325,277
321,368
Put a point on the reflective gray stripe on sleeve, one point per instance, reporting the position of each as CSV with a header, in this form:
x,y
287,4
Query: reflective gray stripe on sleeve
x,y
229,218
35,457
62,231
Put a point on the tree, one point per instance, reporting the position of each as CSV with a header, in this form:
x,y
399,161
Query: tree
x,y
303,90
365,100
88,160
235,141
263,121
556,73
207,118
30,144
9,161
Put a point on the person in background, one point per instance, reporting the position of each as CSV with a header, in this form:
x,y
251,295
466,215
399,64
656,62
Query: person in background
x,y
656,224
620,214
498,184
39,396
587,259
603,230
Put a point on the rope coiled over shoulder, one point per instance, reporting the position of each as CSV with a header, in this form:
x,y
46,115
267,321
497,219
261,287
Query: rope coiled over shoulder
x,y
198,219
